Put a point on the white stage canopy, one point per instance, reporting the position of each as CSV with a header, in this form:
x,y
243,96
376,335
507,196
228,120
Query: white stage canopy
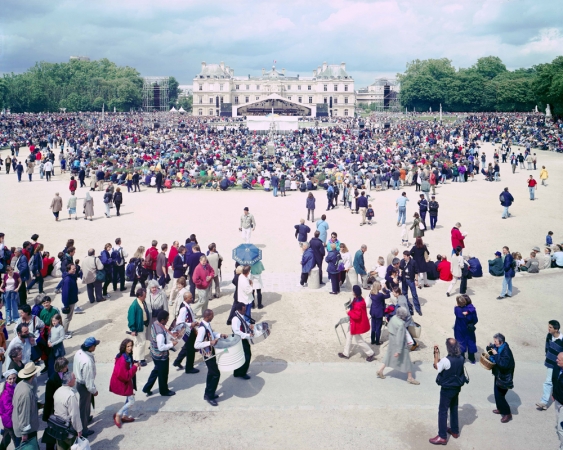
x,y
282,123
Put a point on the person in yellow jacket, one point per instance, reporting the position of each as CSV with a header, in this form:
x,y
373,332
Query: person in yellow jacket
x,y
543,175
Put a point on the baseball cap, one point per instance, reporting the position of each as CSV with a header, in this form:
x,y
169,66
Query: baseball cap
x,y
498,254
89,342
246,208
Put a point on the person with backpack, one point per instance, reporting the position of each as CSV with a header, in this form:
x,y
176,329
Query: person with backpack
x,y
91,267
108,199
451,377
135,272
119,256
509,273
150,260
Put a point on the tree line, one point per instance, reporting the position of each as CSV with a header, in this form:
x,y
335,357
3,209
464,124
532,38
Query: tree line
x,y
486,86
76,86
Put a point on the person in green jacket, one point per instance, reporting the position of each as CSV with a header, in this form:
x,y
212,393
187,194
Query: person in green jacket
x,y
496,266
138,319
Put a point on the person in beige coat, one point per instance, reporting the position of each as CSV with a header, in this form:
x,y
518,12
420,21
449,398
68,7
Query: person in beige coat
x,y
457,263
214,258
56,205
88,206
30,169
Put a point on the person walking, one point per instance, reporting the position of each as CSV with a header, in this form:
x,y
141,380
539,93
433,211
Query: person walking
x,y
186,315
419,253
506,200
310,205
359,324
509,273
245,330
275,184
401,204
7,408
140,274
84,368
409,275
25,415
91,265
456,265
119,256
30,169
71,206
138,321
451,378
378,295
301,232
247,225
543,176
532,186
69,297
123,381
458,238
503,371
398,355
108,199
330,196
118,200
423,208
464,327
56,205
363,207
88,206
553,347
557,382
205,341
307,263
318,248
108,262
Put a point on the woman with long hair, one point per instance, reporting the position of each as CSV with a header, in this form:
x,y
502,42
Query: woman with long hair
x,y
123,381
457,262
418,232
419,253
347,260
141,273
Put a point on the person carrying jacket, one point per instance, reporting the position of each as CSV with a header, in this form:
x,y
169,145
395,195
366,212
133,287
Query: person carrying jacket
x,y
359,324
503,371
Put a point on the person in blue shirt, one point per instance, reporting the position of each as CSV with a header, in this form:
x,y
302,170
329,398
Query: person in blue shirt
x,y
402,208
508,274
548,238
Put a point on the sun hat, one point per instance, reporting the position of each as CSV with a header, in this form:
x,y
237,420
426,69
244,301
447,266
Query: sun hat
x,y
29,370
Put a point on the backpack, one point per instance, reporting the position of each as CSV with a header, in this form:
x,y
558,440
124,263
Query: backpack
x,y
131,270
148,262
117,257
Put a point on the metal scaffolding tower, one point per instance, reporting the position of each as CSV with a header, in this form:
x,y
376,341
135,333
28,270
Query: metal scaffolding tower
x,y
155,93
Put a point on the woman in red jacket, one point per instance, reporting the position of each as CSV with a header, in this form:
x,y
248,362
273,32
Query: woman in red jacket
x,y
457,238
123,380
73,184
359,324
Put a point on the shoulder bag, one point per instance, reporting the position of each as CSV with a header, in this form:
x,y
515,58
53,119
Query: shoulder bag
x,y
100,273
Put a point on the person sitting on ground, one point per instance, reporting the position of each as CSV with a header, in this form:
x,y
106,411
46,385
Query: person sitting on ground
x,y
475,267
445,269
496,265
531,265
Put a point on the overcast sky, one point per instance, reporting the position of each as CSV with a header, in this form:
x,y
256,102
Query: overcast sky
x,y
374,38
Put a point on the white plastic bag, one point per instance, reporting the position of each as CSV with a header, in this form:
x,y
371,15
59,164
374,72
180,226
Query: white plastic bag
x,y
410,343
80,444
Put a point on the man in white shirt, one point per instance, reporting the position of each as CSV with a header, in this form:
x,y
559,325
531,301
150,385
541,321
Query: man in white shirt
x,y
119,255
84,368
205,341
245,331
244,291
186,315
48,169
247,225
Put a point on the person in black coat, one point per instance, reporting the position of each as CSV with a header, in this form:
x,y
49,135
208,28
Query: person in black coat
x,y
418,254
319,250
238,271
136,180
503,371
81,177
158,180
117,199
53,383
376,310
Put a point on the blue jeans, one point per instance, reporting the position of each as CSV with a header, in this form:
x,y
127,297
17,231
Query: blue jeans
x,y
496,176
402,214
547,387
433,221
531,189
410,284
12,299
275,189
505,212
396,184
506,286
248,312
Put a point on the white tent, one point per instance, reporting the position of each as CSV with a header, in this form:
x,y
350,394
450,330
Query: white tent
x,y
181,110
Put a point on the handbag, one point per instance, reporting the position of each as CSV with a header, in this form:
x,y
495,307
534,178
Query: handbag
x,y
59,428
30,444
471,327
421,226
101,273
80,444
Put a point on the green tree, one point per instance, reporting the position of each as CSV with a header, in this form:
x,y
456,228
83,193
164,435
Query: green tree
x,y
489,67
548,85
173,91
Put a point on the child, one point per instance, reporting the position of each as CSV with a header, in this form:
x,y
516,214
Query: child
x,y
548,238
79,272
369,214
56,338
518,260
6,408
404,235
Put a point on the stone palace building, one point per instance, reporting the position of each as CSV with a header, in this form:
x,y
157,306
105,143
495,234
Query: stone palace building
x,y
328,92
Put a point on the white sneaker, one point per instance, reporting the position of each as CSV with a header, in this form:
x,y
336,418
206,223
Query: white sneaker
x,y
78,310
68,336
